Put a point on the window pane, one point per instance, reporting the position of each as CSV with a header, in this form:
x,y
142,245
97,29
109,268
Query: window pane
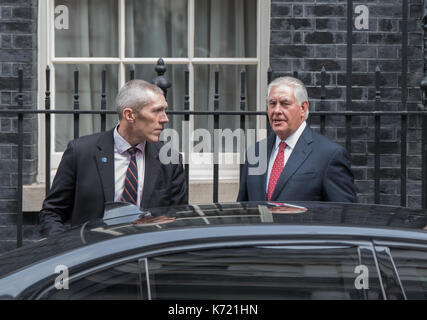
x,y
117,283
156,28
92,29
225,28
261,273
229,96
412,268
90,89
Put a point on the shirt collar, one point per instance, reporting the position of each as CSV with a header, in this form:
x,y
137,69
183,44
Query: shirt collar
x,y
122,145
292,140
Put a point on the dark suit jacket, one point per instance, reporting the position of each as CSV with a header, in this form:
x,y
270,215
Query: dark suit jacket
x,y
317,170
84,182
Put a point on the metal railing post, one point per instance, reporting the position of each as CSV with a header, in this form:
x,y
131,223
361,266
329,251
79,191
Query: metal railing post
x,y
76,103
322,99
349,53
103,99
20,161
47,134
377,160
242,118
270,75
216,138
161,80
423,86
187,120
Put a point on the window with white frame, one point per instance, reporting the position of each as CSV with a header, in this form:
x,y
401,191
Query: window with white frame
x,y
200,36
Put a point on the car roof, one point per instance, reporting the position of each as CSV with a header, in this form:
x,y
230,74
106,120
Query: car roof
x,y
352,220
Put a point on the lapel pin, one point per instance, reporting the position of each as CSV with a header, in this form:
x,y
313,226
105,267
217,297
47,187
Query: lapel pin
x,y
104,160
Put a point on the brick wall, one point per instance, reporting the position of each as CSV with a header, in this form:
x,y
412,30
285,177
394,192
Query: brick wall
x,y
306,35
18,49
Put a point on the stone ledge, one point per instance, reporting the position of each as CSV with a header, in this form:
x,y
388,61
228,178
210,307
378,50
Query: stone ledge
x,y
201,191
32,197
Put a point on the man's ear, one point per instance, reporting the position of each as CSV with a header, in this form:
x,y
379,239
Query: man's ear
x,y
128,115
304,107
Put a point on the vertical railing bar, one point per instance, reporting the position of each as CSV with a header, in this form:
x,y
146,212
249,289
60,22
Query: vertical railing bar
x,y
322,99
103,98
76,103
377,159
423,86
19,217
322,124
132,72
20,185
242,117
348,120
216,126
403,152
187,120
270,75
404,53
424,160
377,88
47,126
349,53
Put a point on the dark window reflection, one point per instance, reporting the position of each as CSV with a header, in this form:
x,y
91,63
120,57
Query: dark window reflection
x,y
412,268
116,283
299,272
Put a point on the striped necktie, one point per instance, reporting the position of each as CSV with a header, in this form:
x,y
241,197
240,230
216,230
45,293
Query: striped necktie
x,y
130,193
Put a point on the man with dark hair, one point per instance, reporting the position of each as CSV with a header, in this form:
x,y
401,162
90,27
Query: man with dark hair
x,y
299,164
118,165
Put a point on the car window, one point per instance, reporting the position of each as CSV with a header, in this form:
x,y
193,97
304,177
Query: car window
x,y
115,283
274,272
411,266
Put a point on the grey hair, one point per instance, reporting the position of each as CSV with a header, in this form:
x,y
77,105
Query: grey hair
x,y
135,94
300,92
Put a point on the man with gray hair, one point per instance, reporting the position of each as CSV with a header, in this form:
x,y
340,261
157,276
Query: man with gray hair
x,y
118,165
301,165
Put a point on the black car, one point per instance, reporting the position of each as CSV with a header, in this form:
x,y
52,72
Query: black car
x,y
254,250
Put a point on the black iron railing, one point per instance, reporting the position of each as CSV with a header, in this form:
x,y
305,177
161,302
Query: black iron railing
x,y
215,116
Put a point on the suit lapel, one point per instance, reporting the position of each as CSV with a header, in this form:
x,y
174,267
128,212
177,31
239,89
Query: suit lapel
x,y
297,158
104,158
152,167
270,144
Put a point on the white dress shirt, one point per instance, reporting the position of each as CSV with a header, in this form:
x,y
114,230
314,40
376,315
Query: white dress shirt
x,y
121,163
291,142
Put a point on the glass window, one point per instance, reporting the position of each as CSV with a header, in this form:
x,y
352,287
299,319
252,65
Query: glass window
x,y
90,91
117,283
156,28
298,272
92,29
412,268
225,28
193,35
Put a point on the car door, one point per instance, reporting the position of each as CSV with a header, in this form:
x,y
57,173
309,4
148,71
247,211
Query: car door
x,y
287,270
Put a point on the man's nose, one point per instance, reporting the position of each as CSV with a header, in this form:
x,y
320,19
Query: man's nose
x,y
164,118
276,107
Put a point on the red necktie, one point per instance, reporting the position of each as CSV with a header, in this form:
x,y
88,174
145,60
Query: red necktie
x,y
276,170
